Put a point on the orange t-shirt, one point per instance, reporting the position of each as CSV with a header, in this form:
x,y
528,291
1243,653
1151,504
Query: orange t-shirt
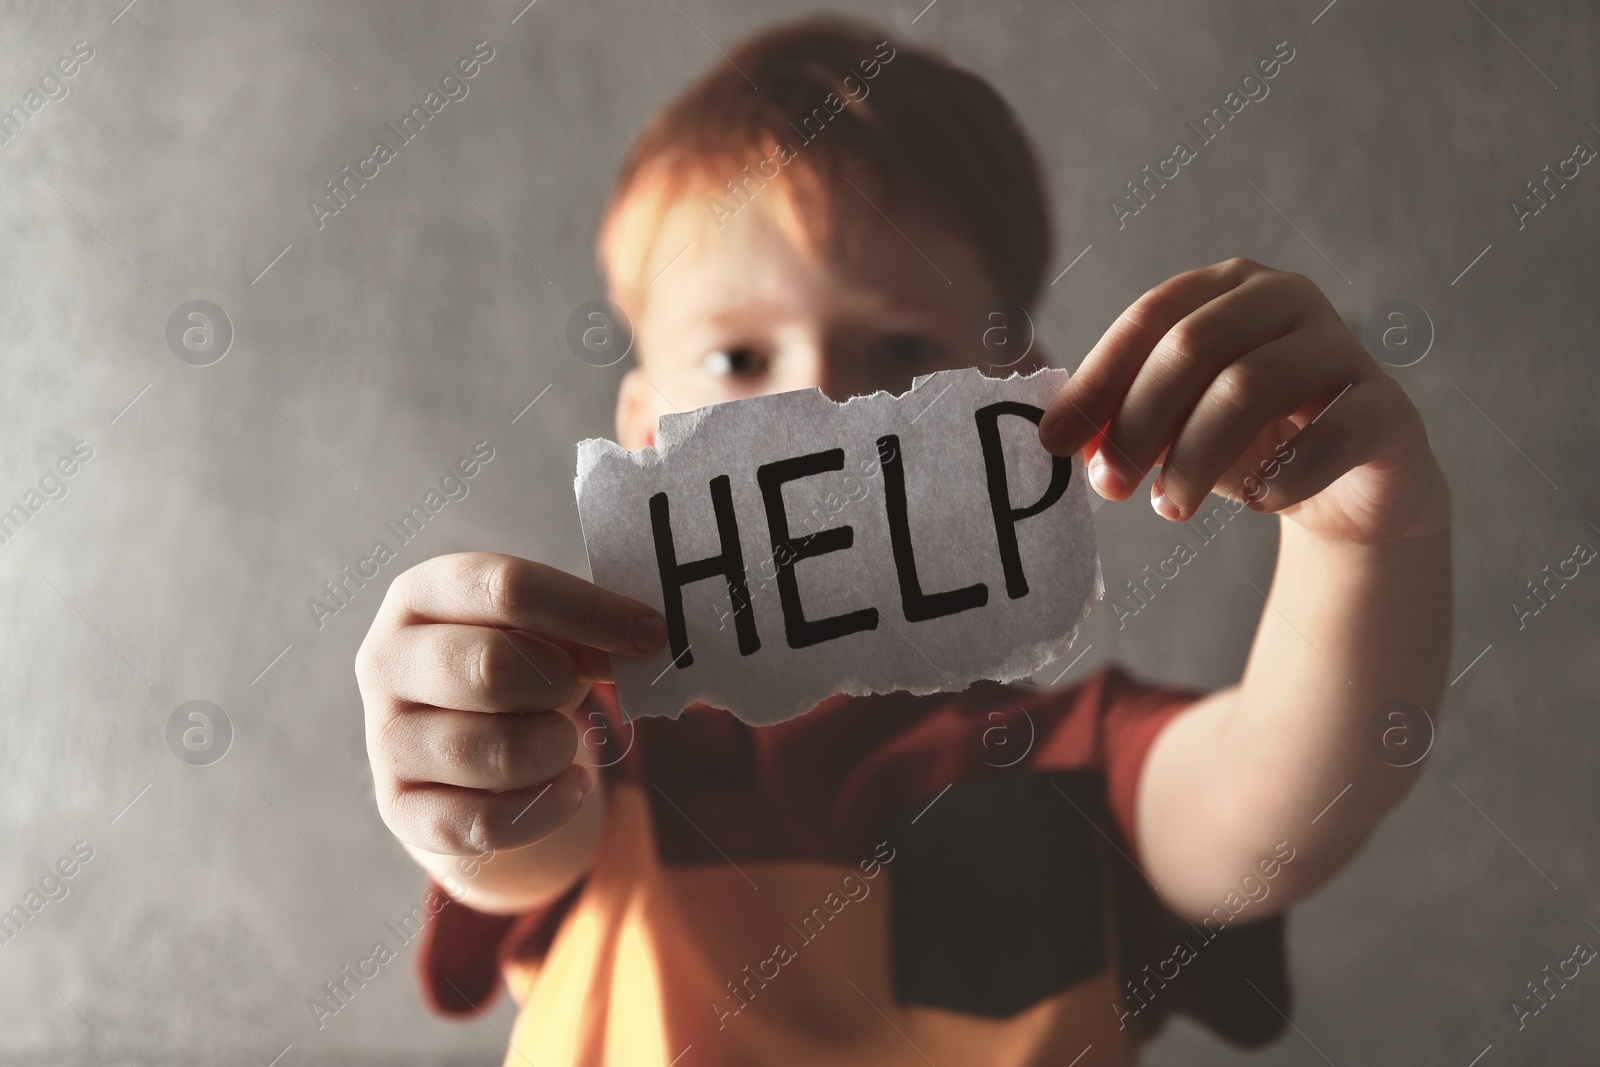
x,y
887,880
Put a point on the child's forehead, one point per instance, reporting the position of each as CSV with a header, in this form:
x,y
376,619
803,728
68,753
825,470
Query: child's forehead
x,y
762,268
762,247
721,229
701,274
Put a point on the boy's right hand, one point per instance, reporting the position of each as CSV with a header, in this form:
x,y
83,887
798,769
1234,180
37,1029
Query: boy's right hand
x,y
468,675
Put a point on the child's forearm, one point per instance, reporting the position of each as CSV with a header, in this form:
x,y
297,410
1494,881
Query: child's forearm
x,y
510,881
1307,749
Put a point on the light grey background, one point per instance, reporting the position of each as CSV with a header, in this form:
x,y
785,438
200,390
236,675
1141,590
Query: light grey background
x,y
375,352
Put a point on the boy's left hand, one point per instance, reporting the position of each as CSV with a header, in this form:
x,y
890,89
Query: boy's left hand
x,y
1210,373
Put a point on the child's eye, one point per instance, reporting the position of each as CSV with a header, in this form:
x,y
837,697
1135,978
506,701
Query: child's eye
x,y
906,350
734,363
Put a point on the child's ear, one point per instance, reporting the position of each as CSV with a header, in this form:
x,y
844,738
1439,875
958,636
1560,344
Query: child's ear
x,y
636,420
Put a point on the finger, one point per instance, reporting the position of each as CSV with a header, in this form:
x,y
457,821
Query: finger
x,y
1338,439
476,668
1246,396
1251,475
1185,364
453,821
1092,395
592,664
491,589
443,746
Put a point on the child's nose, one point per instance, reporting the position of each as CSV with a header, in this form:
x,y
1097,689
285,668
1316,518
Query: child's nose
x,y
815,362
835,383
844,372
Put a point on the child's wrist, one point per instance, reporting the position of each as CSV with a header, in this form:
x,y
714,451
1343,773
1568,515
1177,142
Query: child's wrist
x,y
1424,511
1434,517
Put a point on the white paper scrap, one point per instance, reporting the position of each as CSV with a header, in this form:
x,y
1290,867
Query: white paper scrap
x,y
800,547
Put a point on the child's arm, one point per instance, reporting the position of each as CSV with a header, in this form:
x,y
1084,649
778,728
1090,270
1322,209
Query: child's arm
x,y
468,675
1204,374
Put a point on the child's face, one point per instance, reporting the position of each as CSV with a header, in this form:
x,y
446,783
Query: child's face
x,y
746,310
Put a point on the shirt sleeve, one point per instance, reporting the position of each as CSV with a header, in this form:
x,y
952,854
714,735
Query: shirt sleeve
x,y
1206,972
461,950
1131,713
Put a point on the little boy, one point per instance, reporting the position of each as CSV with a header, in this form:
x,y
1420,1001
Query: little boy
x,y
1003,875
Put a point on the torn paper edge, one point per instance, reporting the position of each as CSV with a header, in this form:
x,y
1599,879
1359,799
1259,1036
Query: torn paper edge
x,y
673,428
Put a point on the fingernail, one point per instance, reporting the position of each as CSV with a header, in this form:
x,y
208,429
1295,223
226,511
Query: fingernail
x,y
1164,507
591,778
1105,480
649,632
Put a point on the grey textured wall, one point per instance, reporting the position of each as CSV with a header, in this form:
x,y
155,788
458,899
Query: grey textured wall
x,y
427,314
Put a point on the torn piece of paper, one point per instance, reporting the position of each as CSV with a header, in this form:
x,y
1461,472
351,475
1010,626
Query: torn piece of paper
x,y
800,547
